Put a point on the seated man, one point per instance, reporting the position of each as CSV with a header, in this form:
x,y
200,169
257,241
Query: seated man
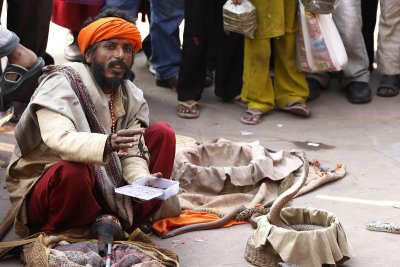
x,y
85,132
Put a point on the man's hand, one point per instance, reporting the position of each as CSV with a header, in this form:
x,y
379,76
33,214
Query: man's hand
x,y
125,139
157,174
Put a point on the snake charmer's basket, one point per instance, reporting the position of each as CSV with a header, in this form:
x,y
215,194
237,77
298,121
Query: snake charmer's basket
x,y
325,244
264,255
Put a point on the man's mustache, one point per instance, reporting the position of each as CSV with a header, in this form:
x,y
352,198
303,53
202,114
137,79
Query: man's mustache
x,y
120,63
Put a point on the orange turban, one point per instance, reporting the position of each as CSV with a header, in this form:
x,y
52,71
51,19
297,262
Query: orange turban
x,y
108,28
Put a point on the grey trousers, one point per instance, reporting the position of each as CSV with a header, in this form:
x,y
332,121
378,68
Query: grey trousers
x,y
388,53
8,41
347,17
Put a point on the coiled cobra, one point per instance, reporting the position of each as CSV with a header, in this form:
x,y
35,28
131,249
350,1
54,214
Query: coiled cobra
x,y
274,215
243,213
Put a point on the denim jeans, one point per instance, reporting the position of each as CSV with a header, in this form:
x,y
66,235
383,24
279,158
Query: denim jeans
x,y
130,6
166,16
8,41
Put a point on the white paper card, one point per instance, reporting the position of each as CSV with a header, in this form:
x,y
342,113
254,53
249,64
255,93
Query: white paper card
x,y
139,191
150,187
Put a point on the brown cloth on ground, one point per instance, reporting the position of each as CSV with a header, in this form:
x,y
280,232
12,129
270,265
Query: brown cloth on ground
x,y
227,174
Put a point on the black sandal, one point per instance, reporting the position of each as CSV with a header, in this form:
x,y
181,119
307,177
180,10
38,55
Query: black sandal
x,y
23,75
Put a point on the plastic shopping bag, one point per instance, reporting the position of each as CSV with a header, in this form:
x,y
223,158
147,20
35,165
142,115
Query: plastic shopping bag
x,y
240,18
319,47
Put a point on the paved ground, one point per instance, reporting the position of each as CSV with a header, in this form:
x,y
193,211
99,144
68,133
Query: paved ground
x,y
363,137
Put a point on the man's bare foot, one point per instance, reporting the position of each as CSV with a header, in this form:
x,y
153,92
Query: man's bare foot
x,y
23,57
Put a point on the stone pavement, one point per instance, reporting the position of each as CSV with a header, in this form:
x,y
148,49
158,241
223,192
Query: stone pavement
x,y
365,138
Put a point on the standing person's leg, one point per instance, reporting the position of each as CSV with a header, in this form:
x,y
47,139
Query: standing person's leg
x,y
131,6
369,10
229,58
146,44
166,16
193,65
72,16
355,76
211,46
388,53
290,85
257,88
30,20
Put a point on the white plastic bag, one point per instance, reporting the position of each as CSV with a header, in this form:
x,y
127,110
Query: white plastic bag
x,y
319,47
240,18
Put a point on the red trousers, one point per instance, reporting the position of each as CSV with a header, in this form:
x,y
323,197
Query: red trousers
x,y
66,196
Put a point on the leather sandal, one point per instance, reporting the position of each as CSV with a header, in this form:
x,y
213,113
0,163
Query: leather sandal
x,y
298,108
188,111
252,117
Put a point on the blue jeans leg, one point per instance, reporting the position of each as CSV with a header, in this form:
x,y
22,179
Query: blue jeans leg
x,y
8,41
166,16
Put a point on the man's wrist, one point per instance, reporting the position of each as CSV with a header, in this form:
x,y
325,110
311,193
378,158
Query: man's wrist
x,y
108,149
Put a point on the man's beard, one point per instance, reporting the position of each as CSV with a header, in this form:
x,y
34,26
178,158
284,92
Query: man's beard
x,y
111,83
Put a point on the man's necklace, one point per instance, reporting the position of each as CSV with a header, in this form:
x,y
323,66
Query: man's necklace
x,y
112,113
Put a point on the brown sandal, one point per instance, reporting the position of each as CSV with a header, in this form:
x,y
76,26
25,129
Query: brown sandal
x,y
252,117
298,108
187,111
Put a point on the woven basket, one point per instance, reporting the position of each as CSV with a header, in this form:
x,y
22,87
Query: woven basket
x,y
321,243
264,255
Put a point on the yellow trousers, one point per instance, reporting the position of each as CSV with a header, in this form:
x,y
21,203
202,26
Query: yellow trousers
x,y
289,84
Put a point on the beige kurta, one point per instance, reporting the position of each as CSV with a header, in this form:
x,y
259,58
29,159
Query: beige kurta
x,y
54,127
